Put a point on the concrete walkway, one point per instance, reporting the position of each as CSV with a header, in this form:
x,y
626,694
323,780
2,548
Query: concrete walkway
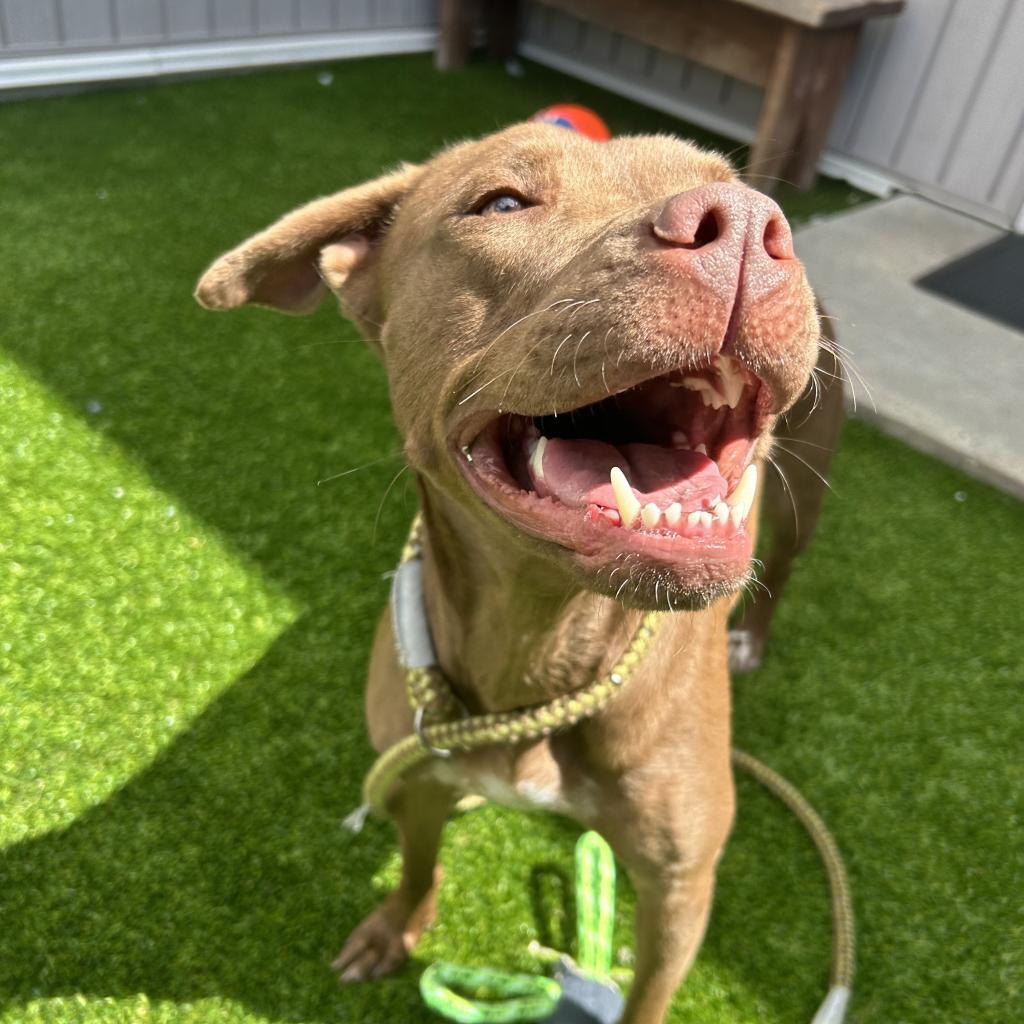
x,y
946,380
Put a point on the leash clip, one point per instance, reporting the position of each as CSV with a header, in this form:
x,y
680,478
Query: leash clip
x,y
419,727
420,730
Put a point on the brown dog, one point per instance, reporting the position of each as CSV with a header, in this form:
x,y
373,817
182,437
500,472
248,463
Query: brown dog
x,y
587,346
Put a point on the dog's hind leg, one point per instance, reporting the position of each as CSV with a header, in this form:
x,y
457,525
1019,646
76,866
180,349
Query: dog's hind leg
x,y
382,942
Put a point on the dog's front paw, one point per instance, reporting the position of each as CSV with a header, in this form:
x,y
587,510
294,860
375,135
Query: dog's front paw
x,y
382,942
745,651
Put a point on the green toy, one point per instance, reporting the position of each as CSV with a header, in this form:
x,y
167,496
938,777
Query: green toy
x,y
580,991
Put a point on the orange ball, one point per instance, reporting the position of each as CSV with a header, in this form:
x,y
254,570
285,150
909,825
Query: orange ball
x,y
579,119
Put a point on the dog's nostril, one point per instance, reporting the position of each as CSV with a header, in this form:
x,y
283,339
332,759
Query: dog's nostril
x,y
777,240
707,230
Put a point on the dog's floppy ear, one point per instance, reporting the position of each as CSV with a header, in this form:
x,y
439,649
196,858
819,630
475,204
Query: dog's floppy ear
x,y
286,266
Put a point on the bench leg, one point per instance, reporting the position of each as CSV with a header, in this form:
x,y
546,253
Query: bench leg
x,y
502,24
835,57
783,108
456,19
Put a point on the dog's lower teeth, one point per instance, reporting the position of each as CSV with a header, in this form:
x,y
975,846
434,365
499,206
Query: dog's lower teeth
x,y
719,517
650,515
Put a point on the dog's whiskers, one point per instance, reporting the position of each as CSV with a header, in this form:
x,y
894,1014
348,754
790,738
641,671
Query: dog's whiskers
x,y
576,356
789,491
496,377
356,469
557,350
793,455
501,334
384,498
846,364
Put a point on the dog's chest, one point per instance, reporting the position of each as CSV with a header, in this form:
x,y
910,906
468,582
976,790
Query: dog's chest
x,y
530,779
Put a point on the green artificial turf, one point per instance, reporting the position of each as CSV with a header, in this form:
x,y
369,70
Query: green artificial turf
x,y
185,617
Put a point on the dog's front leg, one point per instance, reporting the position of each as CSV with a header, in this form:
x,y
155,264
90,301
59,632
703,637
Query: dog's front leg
x,y
671,915
383,941
669,839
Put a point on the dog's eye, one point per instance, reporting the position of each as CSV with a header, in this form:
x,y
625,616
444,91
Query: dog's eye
x,y
506,202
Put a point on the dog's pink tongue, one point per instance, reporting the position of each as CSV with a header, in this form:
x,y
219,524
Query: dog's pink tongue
x,y
577,474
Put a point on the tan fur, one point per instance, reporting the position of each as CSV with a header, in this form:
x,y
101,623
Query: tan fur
x,y
467,312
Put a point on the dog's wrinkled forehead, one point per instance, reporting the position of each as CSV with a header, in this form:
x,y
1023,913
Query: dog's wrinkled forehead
x,y
564,171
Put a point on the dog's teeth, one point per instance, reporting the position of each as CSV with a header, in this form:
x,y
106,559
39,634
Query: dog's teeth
x,y
537,457
731,376
738,515
722,513
673,514
743,494
693,520
705,520
629,507
679,439
650,515
702,448
466,453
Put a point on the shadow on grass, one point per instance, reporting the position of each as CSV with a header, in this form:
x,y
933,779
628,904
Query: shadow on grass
x,y
221,869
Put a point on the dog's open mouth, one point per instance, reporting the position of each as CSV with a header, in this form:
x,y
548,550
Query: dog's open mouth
x,y
662,468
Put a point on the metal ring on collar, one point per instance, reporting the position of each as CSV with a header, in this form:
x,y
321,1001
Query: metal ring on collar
x,y
421,735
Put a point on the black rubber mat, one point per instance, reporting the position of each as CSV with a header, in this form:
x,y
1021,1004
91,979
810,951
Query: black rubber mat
x,y
989,281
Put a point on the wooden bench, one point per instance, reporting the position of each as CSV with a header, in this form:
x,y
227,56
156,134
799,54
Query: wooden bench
x,y
798,51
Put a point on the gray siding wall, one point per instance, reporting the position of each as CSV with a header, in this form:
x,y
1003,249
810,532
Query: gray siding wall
x,y
55,26
935,100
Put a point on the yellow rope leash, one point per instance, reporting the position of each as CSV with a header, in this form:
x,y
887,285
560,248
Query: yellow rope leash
x,y
437,735
432,701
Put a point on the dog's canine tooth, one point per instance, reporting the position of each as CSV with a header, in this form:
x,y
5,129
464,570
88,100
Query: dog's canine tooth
x,y
721,513
743,493
673,514
738,515
650,515
537,457
629,507
702,448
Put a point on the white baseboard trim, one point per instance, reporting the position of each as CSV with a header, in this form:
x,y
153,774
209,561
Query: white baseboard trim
x,y
836,165
183,58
